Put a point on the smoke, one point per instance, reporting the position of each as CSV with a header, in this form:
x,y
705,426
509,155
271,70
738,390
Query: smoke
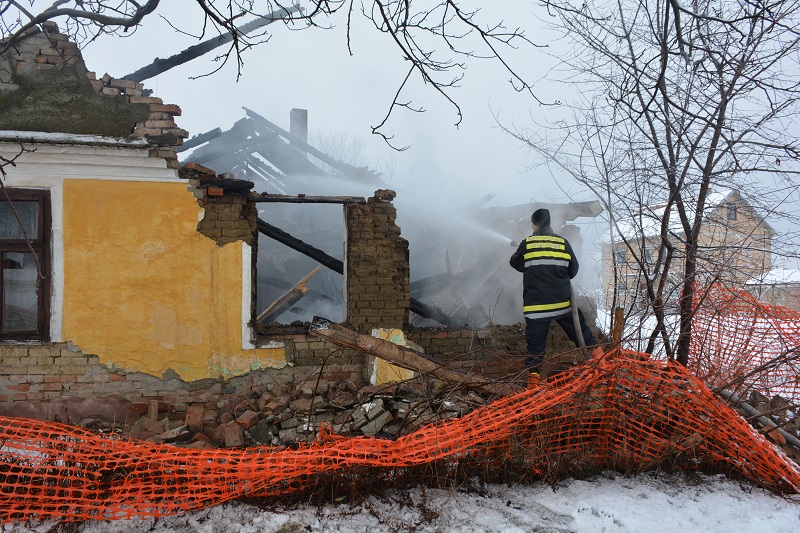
x,y
458,250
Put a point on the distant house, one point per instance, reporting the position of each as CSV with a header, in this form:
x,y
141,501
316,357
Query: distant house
x,y
735,245
779,286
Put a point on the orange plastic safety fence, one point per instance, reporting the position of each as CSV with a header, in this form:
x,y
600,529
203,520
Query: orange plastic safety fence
x,y
736,336
619,411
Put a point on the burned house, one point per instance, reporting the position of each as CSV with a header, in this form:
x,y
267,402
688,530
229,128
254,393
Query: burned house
x,y
137,289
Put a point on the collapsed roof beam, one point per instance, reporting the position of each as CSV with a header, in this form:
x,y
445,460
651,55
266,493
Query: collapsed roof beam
x,y
342,167
296,244
199,139
159,65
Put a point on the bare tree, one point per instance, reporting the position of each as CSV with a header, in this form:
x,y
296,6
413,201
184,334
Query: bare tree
x,y
435,38
675,101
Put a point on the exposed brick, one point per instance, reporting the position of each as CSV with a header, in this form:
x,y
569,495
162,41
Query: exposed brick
x,y
123,84
145,100
171,109
50,386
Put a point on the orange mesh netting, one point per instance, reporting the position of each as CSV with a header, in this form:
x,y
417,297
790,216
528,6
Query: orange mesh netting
x,y
623,412
736,336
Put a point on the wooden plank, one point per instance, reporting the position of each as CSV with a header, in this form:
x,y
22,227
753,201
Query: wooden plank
x,y
405,357
303,199
159,65
288,299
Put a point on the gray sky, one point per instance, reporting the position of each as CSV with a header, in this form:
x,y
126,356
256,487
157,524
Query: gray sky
x,y
312,69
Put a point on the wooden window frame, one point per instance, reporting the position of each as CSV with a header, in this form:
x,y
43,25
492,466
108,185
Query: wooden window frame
x,y
40,244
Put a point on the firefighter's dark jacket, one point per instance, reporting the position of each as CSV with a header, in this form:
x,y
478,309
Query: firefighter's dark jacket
x,y
547,264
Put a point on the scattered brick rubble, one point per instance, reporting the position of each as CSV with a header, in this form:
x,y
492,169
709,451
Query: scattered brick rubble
x,y
286,414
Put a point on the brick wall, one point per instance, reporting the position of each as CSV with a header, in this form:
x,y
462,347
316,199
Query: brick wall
x,y
377,292
57,381
45,63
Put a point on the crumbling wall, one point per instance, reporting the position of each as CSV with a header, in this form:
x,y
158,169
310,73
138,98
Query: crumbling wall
x,y
378,292
57,381
46,87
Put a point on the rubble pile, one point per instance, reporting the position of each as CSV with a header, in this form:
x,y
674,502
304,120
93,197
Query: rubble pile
x,y
286,414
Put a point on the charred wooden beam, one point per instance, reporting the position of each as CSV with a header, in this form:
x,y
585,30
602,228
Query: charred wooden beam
x,y
303,199
296,244
288,299
351,171
428,311
405,357
159,65
198,139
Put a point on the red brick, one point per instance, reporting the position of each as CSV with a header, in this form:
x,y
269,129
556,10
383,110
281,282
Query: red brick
x,y
215,191
233,434
51,379
69,378
123,84
167,124
22,387
51,386
117,377
142,131
145,100
172,109
247,419
195,415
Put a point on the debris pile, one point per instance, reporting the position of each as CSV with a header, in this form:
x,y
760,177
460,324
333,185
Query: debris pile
x,y
286,414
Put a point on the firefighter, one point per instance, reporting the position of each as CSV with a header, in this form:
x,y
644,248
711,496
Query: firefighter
x,y
547,263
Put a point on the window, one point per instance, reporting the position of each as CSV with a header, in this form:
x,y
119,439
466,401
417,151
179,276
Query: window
x,y
25,272
620,254
731,211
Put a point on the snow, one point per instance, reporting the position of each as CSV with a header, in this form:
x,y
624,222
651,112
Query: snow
x,y
610,503
777,276
69,138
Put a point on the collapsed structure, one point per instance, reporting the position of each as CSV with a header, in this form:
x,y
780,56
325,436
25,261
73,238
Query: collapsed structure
x,y
130,303
131,284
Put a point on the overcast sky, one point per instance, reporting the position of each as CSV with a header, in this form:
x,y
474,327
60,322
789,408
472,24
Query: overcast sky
x,y
312,69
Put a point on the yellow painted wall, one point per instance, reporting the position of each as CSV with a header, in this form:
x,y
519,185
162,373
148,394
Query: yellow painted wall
x,y
384,371
144,290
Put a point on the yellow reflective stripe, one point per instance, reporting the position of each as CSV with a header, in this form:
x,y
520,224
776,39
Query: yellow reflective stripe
x,y
558,255
545,245
545,307
544,238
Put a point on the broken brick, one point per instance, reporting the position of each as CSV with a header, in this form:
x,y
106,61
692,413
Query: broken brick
x,y
248,419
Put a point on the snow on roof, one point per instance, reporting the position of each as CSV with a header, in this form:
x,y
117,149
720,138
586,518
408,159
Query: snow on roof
x,y
777,276
648,221
69,138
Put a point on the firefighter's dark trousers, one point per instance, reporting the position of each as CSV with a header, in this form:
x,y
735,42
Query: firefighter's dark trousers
x,y
536,336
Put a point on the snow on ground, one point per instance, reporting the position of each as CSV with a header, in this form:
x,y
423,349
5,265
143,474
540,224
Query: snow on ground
x,y
611,504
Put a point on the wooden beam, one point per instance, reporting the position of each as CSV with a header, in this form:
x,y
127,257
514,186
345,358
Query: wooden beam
x,y
159,65
296,244
405,357
303,199
288,299
199,139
